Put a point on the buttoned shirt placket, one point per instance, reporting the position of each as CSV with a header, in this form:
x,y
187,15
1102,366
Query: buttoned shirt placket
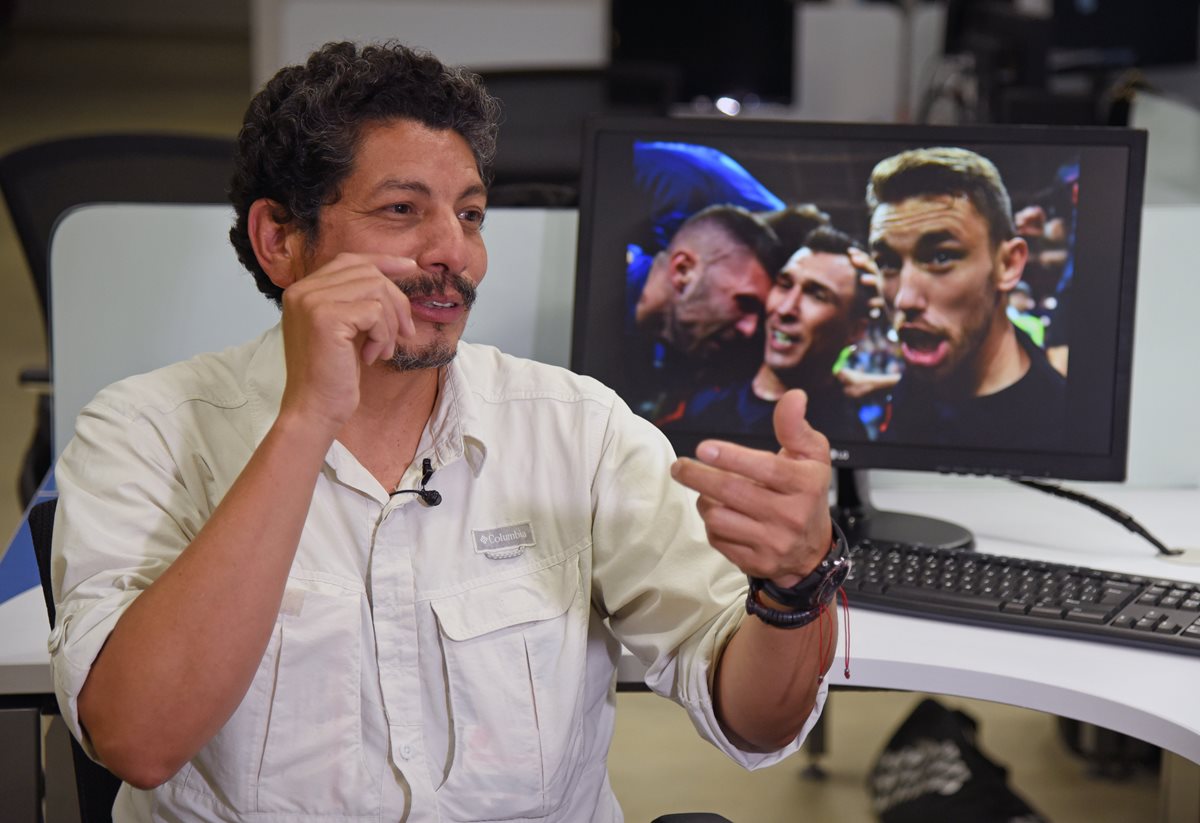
x,y
392,588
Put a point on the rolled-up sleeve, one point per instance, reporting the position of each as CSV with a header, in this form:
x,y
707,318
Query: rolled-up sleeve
x,y
124,514
671,599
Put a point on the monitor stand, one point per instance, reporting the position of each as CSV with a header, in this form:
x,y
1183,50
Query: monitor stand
x,y
860,520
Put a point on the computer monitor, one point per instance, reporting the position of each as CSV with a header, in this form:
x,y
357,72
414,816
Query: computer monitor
x,y
717,48
698,323
1078,34
1062,68
1121,33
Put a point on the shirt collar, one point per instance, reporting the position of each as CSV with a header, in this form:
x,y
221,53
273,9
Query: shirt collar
x,y
265,376
454,429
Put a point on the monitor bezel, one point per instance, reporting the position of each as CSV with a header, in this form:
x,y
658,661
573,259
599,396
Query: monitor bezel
x,y
1110,466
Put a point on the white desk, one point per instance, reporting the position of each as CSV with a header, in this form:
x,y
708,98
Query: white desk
x,y
1146,694
24,662
26,689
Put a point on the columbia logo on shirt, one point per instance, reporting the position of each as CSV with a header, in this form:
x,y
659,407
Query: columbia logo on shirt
x,y
503,541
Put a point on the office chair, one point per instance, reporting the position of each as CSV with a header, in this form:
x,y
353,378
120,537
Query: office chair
x,y
42,182
96,786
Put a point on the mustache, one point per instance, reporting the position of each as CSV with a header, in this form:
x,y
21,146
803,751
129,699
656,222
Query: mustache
x,y
425,284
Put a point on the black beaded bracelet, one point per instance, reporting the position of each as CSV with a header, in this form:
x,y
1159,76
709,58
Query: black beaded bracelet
x,y
808,597
775,617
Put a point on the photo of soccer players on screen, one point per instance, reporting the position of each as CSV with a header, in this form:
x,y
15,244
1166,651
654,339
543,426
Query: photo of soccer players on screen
x,y
918,294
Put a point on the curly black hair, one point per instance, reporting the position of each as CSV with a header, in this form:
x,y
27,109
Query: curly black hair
x,y
300,133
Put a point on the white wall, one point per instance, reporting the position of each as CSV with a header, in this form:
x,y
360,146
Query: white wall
x,y
851,61
1173,151
482,34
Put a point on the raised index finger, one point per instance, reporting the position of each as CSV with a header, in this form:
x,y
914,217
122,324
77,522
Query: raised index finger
x,y
721,469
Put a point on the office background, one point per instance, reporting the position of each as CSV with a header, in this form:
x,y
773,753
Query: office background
x,y
69,67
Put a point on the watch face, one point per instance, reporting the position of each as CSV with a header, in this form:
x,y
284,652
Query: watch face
x,y
829,585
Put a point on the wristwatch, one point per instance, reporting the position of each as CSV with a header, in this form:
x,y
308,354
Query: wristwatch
x,y
810,596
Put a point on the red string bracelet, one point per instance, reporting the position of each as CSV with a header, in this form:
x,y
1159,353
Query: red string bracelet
x,y
846,620
826,630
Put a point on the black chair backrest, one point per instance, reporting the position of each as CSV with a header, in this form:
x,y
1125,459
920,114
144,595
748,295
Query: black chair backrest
x,y
41,530
96,786
43,181
40,183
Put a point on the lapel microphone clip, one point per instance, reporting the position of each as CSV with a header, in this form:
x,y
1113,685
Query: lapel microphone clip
x,y
428,496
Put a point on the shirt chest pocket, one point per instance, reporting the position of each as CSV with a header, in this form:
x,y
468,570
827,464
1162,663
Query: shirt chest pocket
x,y
514,652
295,744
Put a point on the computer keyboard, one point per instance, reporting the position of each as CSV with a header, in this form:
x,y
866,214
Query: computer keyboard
x,y
1026,595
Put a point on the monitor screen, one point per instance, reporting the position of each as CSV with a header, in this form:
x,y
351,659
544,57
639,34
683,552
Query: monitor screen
x,y
1120,33
715,47
952,299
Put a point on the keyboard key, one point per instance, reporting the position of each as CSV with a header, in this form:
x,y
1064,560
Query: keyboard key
x,y
1117,594
945,597
1046,611
1083,614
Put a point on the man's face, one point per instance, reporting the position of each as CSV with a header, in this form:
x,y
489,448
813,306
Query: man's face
x,y
721,305
810,313
943,278
414,192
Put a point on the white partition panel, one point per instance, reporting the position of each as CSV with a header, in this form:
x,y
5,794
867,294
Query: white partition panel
x,y
135,287
482,34
1164,440
526,300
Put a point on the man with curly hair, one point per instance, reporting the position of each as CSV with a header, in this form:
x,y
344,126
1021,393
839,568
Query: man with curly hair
x,y
266,611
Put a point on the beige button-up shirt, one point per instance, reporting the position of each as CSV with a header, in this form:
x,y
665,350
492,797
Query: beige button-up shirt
x,y
448,663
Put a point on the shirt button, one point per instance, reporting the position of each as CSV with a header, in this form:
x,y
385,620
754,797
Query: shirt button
x,y
406,752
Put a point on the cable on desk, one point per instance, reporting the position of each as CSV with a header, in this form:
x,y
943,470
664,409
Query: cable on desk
x,y
1124,518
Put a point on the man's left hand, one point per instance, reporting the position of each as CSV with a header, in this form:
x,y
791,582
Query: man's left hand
x,y
768,513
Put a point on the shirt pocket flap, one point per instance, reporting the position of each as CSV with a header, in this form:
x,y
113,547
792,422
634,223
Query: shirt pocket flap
x,y
539,595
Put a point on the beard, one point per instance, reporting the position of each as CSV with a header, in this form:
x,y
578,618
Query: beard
x,y
430,356
438,352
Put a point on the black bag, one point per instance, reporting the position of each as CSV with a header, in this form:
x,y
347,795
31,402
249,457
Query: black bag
x,y
932,772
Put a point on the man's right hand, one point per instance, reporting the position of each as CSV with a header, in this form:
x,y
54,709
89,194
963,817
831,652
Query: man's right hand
x,y
346,314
